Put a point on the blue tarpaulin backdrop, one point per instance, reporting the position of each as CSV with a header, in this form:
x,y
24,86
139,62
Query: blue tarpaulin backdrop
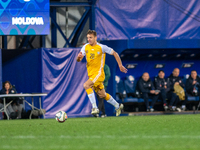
x,y
63,79
136,19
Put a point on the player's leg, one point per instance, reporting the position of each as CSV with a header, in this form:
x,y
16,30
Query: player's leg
x,y
111,100
88,88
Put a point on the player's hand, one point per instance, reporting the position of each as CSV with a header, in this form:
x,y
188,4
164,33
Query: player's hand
x,y
80,55
123,69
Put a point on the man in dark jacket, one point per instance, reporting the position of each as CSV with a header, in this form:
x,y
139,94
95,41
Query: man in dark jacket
x,y
193,84
176,80
163,85
147,90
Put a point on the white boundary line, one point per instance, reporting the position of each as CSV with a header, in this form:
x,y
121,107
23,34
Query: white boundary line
x,y
107,137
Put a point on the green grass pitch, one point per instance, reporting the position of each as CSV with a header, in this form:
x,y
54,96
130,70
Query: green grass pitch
x,y
162,132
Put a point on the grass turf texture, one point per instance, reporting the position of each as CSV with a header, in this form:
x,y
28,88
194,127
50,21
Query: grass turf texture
x,y
170,132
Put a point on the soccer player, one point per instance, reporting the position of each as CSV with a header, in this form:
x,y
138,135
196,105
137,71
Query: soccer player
x,y
95,56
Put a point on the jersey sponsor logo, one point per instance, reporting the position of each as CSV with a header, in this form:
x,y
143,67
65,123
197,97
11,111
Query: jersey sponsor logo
x,y
27,21
92,55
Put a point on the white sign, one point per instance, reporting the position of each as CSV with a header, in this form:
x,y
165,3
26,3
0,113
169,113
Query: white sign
x,y
27,21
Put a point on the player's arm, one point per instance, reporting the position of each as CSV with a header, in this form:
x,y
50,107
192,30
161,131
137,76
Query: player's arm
x,y
79,57
118,59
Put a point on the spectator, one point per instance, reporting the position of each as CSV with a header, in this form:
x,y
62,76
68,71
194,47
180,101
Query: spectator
x,y
147,91
15,106
163,86
176,80
101,100
193,84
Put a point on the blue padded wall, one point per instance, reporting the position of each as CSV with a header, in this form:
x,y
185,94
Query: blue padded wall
x,y
0,68
24,71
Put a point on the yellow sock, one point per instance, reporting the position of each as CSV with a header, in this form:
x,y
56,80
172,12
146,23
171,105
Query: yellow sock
x,y
107,96
89,91
91,97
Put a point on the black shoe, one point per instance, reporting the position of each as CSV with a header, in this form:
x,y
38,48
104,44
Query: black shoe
x,y
13,115
96,115
170,108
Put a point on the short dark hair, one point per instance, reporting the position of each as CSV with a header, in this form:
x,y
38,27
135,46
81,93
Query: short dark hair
x,y
161,71
193,70
92,32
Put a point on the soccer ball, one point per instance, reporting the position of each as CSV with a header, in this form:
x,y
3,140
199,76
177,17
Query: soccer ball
x,y
61,116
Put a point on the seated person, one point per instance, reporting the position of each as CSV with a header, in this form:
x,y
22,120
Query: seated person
x,y
163,86
193,84
15,106
146,89
176,80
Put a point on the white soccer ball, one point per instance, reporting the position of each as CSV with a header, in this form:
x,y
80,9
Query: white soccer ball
x,y
61,116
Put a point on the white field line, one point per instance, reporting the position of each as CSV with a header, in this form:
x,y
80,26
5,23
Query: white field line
x,y
65,147
107,137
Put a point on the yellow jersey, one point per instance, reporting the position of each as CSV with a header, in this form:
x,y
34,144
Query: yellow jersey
x,y
95,57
